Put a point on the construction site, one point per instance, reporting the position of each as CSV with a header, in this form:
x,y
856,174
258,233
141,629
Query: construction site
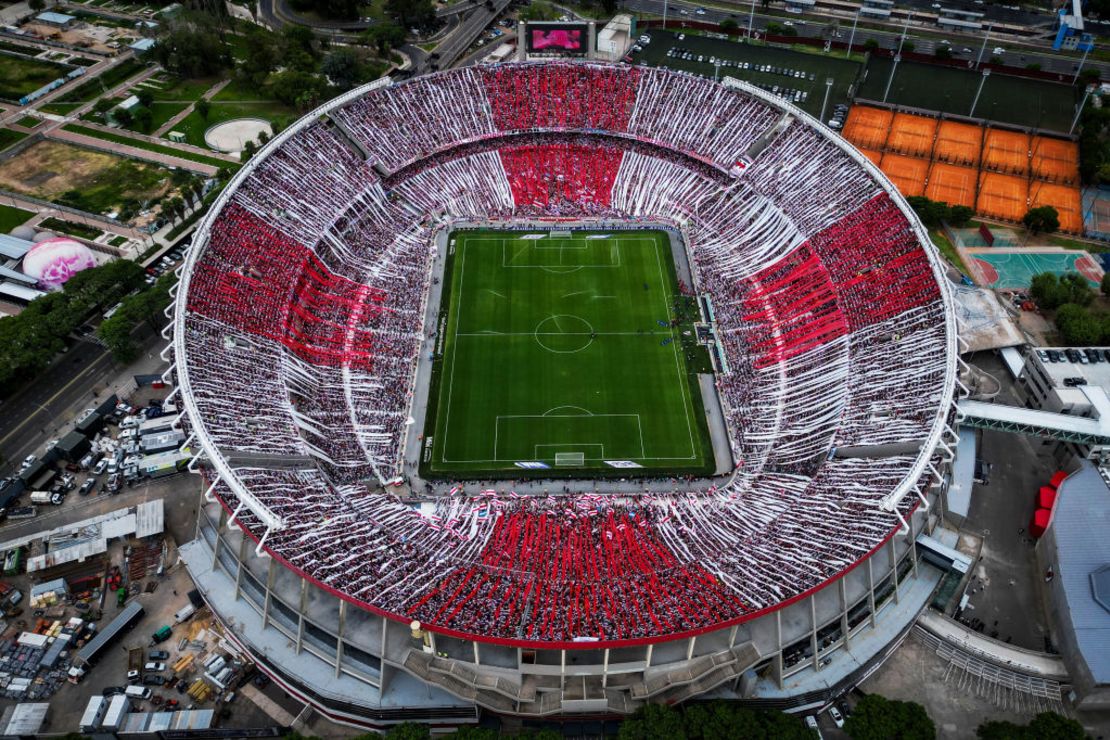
x,y
999,171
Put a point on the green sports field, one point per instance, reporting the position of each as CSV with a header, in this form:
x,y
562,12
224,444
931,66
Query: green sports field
x,y
562,351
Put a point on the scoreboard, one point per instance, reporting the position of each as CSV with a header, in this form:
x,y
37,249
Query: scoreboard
x,y
557,39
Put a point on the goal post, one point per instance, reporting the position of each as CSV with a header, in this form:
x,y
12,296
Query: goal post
x,y
570,459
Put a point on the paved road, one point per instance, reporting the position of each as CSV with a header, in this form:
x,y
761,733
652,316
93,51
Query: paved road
x,y
52,402
813,26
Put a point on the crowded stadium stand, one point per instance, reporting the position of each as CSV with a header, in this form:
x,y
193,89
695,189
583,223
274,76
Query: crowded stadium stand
x,y
300,321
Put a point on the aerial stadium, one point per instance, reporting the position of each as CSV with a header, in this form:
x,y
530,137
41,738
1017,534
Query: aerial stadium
x,y
553,388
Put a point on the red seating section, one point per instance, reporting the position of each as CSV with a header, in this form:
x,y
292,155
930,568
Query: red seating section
x,y
790,309
561,96
559,576
257,279
577,175
876,263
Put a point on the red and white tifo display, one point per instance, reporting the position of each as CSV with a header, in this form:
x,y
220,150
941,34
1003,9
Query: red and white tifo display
x,y
301,312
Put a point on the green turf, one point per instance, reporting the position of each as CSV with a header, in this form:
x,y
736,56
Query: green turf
x,y
10,217
9,137
20,75
1025,102
562,345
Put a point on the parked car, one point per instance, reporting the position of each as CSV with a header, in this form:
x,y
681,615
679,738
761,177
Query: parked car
x,y
101,467
28,462
153,679
158,655
836,716
87,487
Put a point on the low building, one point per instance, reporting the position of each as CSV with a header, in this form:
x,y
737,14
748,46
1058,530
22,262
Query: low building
x,y
58,20
615,39
1070,33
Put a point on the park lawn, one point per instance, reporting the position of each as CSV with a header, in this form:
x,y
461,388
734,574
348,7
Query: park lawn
x,y
177,89
21,75
160,113
118,241
237,91
28,122
149,146
10,217
947,250
9,137
194,125
60,109
560,353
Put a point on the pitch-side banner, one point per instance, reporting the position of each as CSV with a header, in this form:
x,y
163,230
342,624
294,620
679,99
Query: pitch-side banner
x,y
533,465
622,464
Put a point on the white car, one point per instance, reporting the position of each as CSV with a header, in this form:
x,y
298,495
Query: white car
x,y
998,50
28,462
700,11
837,717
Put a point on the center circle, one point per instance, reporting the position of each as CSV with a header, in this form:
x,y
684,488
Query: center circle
x,y
564,333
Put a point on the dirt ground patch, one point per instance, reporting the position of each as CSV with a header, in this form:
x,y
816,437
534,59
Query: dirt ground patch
x,y
53,171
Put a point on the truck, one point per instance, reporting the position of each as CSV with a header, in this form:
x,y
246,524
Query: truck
x,y
40,497
184,613
94,714
164,633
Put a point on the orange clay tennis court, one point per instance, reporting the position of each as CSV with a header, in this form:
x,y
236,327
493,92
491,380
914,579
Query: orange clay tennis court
x,y
1065,199
1055,159
959,143
867,127
952,184
1003,196
912,135
908,173
874,155
1007,151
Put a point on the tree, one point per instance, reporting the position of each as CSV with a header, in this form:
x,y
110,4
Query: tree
x,y
942,52
908,45
191,45
146,97
1045,726
1078,326
1050,291
123,116
296,88
142,118
202,107
1042,219
728,25
37,4
468,732
261,54
343,67
298,48
653,722
959,216
103,105
1105,286
879,718
871,44
411,13
406,731
387,35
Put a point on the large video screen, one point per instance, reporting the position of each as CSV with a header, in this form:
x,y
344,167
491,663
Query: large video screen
x,y
558,38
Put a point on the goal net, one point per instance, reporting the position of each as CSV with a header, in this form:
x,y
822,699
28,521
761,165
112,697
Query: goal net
x,y
569,458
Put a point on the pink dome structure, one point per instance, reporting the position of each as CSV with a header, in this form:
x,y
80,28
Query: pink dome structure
x,y
54,261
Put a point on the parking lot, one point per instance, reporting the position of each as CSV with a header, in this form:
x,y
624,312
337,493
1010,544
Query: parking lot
x,y
798,77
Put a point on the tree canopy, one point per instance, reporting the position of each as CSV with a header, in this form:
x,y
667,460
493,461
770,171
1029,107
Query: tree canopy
x,y
933,212
1045,726
1050,291
192,45
878,718
1043,219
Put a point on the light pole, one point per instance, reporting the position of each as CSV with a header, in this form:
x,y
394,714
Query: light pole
x,y
825,102
852,38
716,69
665,2
1075,121
983,48
1082,62
893,69
983,81
751,19
902,40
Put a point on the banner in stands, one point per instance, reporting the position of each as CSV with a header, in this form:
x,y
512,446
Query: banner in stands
x,y
622,464
532,465
558,38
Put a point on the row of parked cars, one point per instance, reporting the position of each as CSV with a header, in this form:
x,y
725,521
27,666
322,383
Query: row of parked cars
x,y
1089,356
168,262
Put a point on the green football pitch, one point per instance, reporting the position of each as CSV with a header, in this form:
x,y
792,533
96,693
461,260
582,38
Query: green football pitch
x,y
563,351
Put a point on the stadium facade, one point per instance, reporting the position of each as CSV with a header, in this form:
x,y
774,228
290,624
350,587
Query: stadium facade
x,y
304,310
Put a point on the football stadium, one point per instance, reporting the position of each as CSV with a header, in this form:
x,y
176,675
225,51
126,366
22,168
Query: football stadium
x,y
549,389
